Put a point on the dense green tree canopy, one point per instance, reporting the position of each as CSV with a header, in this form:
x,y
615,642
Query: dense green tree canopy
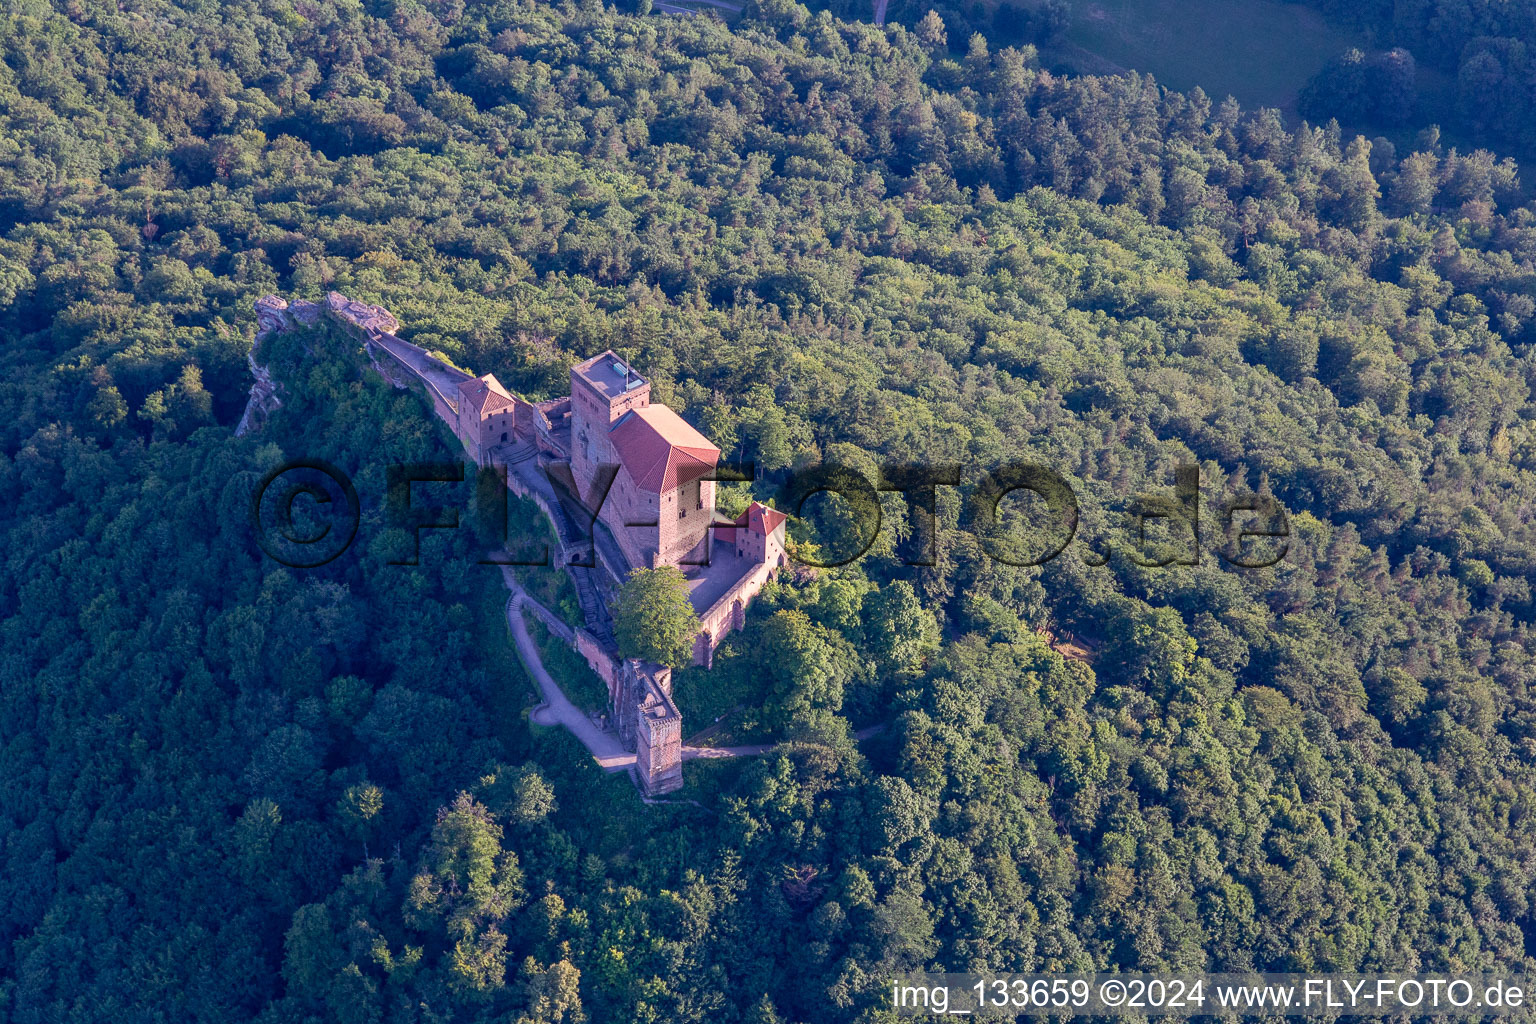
x,y
652,618
258,792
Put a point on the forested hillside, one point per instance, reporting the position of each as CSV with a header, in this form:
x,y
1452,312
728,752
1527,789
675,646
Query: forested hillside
x,y
1482,47
230,790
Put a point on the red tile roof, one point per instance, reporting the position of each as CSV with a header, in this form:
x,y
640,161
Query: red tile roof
x,y
660,450
759,518
485,394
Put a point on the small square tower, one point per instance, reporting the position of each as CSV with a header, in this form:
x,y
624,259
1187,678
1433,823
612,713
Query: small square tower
x,y
487,415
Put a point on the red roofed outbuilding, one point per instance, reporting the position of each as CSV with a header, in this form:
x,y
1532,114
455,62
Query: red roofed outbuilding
x,y
758,534
487,414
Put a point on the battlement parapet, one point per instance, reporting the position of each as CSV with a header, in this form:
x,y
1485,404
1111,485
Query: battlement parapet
x,y
650,722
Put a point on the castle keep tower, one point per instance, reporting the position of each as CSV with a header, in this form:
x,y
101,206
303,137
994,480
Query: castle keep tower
x,y
660,505
649,722
603,389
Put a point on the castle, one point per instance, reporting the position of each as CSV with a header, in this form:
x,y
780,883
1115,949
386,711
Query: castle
x,y
627,478
646,474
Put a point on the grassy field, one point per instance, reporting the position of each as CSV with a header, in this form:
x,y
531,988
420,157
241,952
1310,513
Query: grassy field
x,y
1260,51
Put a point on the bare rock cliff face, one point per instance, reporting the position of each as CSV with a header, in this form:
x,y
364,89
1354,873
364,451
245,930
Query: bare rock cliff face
x,y
372,319
272,315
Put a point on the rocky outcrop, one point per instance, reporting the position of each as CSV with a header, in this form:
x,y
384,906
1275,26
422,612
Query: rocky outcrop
x,y
273,315
371,319
263,400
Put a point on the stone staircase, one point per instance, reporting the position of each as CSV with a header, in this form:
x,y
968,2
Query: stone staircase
x,y
515,453
593,608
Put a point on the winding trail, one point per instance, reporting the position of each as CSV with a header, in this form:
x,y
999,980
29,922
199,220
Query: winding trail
x,y
758,749
557,708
